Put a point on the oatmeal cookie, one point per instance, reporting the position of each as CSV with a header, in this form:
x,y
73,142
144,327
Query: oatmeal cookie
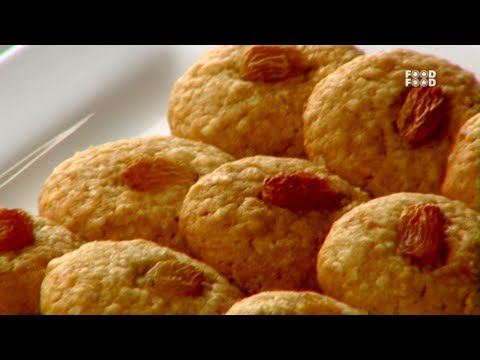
x,y
381,135
260,220
249,100
133,277
128,189
291,303
27,244
462,181
406,253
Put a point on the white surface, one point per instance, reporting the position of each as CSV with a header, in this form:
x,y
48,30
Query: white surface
x,y
4,47
46,89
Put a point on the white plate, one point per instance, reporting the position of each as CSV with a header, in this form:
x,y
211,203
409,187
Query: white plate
x,y
45,89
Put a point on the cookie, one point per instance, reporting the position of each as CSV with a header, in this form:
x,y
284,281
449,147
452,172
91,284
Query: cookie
x,y
128,189
260,220
291,303
381,135
27,244
406,253
249,100
461,180
133,277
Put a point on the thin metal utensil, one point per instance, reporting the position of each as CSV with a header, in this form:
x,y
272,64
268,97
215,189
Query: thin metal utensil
x,y
21,166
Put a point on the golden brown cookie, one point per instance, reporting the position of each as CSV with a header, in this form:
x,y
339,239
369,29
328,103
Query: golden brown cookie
x,y
462,179
128,189
405,253
381,135
249,100
291,303
260,220
27,244
133,277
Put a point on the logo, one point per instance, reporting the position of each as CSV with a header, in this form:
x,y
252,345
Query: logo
x,y
421,78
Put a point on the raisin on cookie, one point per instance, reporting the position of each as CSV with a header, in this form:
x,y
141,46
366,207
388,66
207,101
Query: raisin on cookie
x,y
381,135
261,220
128,189
406,253
249,100
27,244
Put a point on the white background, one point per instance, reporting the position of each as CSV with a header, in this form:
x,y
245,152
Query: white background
x,y
45,89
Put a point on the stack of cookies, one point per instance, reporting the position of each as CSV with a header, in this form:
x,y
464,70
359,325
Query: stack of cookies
x,y
297,180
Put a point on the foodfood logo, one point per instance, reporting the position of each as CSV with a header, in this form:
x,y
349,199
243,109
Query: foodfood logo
x,y
422,78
